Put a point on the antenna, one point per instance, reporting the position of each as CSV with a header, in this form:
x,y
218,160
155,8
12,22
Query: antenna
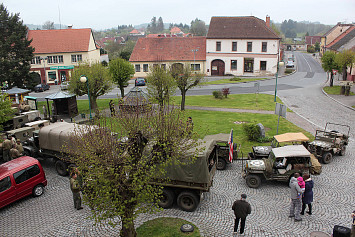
x,y
60,23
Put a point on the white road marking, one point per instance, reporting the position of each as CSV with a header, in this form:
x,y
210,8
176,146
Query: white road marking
x,y
307,62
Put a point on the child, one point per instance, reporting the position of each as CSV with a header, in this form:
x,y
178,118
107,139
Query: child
x,y
302,185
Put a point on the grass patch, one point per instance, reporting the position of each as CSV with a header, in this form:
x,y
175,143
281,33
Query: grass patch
x,y
232,81
334,90
235,101
165,227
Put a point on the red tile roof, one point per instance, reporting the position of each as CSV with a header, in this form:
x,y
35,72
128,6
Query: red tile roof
x,y
60,41
342,39
134,31
175,30
169,49
243,27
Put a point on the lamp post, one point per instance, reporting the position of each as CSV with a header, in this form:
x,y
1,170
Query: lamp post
x,y
194,51
277,73
44,68
84,79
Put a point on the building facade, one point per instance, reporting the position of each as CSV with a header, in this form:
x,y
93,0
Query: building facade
x,y
57,52
241,46
332,34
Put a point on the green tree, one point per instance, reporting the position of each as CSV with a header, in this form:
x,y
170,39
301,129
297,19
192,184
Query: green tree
x,y
185,79
276,29
121,71
317,46
328,64
198,27
160,85
5,109
345,59
160,25
118,174
15,50
152,27
98,80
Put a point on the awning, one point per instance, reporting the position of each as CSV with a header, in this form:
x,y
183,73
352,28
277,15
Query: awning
x,y
16,90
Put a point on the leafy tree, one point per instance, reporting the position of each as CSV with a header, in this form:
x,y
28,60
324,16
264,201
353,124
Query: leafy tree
x,y
345,59
33,80
161,85
160,25
276,29
5,109
15,50
121,71
328,64
307,34
152,27
290,34
98,80
317,46
185,79
48,25
118,163
198,27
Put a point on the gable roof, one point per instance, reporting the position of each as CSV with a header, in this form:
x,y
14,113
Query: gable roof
x,y
60,41
175,30
244,27
169,49
331,29
342,39
134,31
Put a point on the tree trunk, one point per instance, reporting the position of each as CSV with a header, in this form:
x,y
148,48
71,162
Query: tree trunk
x,y
345,73
331,79
122,91
93,104
128,229
183,98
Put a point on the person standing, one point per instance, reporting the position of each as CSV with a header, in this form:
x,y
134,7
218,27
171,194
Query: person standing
x,y
112,108
353,225
295,208
307,198
241,210
75,188
19,147
14,153
6,147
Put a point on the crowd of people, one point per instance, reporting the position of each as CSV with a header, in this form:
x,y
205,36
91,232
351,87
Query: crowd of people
x,y
11,148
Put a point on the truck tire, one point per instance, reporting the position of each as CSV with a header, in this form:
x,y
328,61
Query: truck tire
x,y
38,190
167,200
61,168
253,181
342,151
221,164
327,157
188,201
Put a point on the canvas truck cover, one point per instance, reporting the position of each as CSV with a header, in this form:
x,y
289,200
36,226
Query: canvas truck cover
x,y
291,151
291,137
54,136
316,167
197,171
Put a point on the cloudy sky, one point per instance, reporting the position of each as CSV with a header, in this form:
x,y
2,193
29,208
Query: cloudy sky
x,y
104,14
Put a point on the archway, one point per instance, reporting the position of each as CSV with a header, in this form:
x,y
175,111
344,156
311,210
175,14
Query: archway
x,y
217,67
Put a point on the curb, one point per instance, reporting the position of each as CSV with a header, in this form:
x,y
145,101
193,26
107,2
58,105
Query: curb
x,y
346,106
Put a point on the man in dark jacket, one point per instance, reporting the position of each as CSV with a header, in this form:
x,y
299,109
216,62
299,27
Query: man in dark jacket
x,y
241,210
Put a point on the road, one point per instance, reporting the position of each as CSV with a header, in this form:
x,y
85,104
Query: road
x,y
53,213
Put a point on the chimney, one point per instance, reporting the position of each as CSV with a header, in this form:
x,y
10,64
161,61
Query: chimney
x,y
70,26
267,21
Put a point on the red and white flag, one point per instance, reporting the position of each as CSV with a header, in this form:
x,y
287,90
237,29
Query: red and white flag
x,y
230,142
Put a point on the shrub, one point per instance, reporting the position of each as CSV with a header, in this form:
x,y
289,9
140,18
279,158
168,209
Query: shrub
x,y
217,94
264,139
225,92
288,71
311,49
252,131
235,79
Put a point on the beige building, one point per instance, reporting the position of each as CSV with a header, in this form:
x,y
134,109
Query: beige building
x,y
332,34
57,52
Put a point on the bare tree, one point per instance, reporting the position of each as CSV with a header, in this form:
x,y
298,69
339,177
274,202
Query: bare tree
x,y
48,25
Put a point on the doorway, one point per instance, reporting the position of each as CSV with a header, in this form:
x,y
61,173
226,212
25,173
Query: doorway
x,y
217,68
248,65
63,76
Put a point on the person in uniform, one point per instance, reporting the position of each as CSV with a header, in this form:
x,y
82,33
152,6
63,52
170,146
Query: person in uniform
x,y
189,125
6,147
75,188
19,147
14,153
112,108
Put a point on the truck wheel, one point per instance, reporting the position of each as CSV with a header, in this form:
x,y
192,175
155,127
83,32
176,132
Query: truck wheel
x,y
27,153
38,190
253,181
61,168
167,199
327,157
221,164
342,151
188,201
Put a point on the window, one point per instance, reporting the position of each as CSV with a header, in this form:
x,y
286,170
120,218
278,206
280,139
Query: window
x,y
138,67
218,46
76,58
36,60
250,46
5,184
262,65
233,64
195,67
234,46
163,66
55,59
264,47
145,67
52,76
33,171
26,174
60,58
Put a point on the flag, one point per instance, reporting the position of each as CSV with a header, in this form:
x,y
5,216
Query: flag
x,y
230,142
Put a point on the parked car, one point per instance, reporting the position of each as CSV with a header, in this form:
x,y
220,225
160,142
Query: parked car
x,y
290,64
139,82
19,178
41,87
64,85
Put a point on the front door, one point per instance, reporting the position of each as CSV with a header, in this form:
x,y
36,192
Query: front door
x,y
217,68
63,76
248,65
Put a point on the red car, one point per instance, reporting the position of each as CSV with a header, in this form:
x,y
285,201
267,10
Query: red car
x,y
19,178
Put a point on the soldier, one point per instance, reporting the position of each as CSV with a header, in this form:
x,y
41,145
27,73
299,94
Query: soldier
x,y
75,188
19,147
189,125
14,153
112,108
6,147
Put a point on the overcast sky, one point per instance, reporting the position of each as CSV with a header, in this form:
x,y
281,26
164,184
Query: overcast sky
x,y
105,14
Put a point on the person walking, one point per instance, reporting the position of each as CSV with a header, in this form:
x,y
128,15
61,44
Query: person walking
x,y
6,147
75,188
295,208
241,210
307,198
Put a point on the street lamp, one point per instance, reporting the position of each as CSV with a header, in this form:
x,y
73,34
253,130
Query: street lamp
x,y
195,51
279,64
44,68
84,79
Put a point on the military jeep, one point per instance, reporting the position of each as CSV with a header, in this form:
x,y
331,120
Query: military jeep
x,y
326,143
281,164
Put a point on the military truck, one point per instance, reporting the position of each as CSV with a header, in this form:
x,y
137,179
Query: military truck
x,y
327,143
186,183
281,164
48,142
21,119
260,152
